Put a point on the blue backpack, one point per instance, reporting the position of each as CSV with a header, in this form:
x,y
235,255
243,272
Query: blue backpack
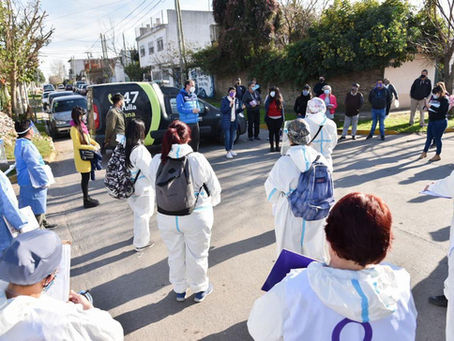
x,y
313,197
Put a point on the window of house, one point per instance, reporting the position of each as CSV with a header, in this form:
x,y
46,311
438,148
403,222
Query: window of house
x,y
150,48
142,51
160,44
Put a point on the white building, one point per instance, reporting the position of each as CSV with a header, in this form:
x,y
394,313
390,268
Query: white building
x,y
76,68
158,42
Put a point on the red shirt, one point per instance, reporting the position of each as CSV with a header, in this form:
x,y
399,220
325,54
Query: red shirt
x,y
273,110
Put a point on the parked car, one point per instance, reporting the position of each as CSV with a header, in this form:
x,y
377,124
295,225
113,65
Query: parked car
x,y
45,100
60,87
48,88
77,84
83,89
153,104
60,113
69,87
56,94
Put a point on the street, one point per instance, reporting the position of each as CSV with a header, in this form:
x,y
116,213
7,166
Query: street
x,y
134,287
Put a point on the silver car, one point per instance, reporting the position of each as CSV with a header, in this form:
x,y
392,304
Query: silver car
x,y
60,114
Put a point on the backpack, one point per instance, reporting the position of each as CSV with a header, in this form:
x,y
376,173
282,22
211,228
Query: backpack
x,y
313,197
118,177
174,188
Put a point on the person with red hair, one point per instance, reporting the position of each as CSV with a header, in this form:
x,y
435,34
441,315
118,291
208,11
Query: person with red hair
x,y
355,294
187,235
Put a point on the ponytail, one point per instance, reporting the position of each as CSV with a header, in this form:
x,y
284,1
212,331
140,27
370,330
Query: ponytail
x,y
177,133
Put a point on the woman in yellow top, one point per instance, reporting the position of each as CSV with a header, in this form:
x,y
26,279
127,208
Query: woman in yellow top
x,y
82,141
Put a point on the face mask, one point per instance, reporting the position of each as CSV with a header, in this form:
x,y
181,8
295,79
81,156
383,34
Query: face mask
x,y
435,96
354,90
322,80
272,93
232,94
386,86
192,89
255,87
379,86
305,92
49,285
423,76
326,92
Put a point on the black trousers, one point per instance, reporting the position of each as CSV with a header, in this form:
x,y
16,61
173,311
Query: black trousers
x,y
253,123
84,184
274,128
195,136
388,107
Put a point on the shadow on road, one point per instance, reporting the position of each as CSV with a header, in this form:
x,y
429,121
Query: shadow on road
x,y
236,332
441,235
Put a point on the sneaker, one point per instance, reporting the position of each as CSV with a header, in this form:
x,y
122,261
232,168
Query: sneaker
x,y
229,155
369,137
353,137
180,297
233,153
142,248
89,202
257,138
48,226
382,138
341,138
439,301
201,295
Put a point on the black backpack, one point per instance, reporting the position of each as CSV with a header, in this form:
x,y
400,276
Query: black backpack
x,y
118,177
175,194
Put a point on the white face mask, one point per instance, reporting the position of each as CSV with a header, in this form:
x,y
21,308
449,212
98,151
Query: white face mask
x,y
272,93
192,89
435,96
326,92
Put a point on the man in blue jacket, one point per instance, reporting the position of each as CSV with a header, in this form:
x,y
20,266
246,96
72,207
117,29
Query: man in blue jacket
x,y
188,108
379,97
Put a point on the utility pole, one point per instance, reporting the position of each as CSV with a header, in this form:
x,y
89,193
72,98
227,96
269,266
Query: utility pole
x,y
124,51
180,41
89,65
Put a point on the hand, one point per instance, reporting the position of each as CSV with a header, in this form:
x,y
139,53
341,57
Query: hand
x,y
196,110
243,107
231,104
66,242
79,299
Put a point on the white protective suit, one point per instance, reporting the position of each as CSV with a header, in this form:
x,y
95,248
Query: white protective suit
x,y
46,319
446,187
141,202
326,140
188,237
324,303
293,233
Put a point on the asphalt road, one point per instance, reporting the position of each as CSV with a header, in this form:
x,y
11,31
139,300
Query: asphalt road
x,y
134,287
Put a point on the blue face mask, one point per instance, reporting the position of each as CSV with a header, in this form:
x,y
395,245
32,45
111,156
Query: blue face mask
x,y
305,92
255,87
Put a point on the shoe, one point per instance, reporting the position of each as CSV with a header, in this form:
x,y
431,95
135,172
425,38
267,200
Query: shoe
x,y
233,153
277,149
180,297
369,137
139,249
382,138
257,138
439,301
229,155
201,295
89,202
435,158
353,137
422,156
271,149
48,226
341,138
251,139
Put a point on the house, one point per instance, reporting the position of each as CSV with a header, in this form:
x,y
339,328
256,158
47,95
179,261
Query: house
x,y
157,42
97,70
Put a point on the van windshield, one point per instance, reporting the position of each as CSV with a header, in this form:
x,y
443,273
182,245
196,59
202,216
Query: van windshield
x,y
68,105
173,105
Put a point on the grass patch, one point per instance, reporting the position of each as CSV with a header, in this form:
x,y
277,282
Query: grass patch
x,y
43,142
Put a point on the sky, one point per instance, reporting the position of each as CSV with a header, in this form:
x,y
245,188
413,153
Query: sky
x,y
78,25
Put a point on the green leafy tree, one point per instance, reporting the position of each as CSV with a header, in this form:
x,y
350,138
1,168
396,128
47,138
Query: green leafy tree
x,y
133,70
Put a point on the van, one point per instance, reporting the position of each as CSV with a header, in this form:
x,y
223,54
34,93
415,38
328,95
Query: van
x,y
153,104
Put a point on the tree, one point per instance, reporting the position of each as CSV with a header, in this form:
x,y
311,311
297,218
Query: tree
x,y
22,35
437,36
133,69
58,69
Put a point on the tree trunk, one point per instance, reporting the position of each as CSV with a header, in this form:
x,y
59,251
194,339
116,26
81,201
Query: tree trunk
x,y
13,90
447,73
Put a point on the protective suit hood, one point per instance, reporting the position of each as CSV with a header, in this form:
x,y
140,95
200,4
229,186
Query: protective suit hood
x,y
363,296
179,150
303,156
319,118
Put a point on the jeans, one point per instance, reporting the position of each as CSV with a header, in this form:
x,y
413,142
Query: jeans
x,y
378,115
253,121
274,128
195,136
435,131
229,129
353,120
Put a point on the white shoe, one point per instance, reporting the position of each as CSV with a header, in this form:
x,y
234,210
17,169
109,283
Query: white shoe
x,y
229,155
233,153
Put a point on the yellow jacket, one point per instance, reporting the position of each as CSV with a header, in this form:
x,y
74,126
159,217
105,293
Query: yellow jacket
x,y
82,166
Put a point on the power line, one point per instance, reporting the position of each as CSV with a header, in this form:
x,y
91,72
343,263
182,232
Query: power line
x,y
129,14
88,9
159,1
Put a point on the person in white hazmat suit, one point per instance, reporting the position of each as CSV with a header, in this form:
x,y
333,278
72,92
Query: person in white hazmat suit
x,y
445,187
29,266
138,159
295,233
326,139
187,237
354,297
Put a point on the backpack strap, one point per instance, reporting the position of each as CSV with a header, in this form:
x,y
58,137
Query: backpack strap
x,y
137,176
318,132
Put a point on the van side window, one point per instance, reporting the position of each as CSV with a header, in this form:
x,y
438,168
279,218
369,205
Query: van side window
x,y
173,105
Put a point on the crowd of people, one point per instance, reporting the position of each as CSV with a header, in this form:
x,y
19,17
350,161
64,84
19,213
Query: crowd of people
x,y
347,285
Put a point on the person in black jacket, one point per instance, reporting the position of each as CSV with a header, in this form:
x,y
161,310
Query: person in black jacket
x,y
301,102
438,111
393,92
319,86
378,98
240,90
420,90
252,100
